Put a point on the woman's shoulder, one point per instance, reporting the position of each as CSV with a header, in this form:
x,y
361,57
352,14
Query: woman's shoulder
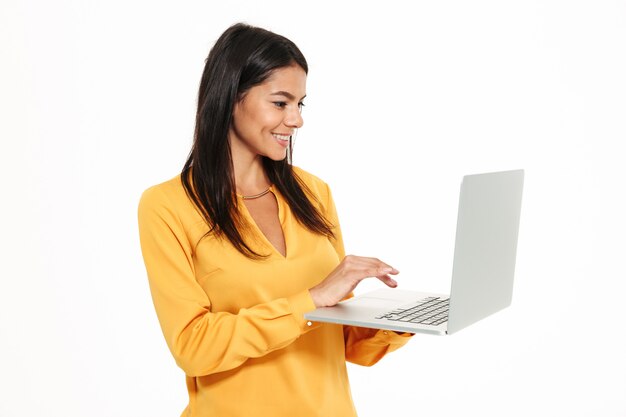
x,y
315,184
307,177
166,193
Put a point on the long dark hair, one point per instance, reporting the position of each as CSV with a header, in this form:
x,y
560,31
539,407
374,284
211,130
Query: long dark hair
x,y
244,56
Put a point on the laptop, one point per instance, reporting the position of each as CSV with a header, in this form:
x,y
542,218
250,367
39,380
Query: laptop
x,y
482,272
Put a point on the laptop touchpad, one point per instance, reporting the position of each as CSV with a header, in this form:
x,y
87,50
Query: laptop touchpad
x,y
371,302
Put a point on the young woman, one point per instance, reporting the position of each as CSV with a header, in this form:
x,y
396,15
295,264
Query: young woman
x,y
241,244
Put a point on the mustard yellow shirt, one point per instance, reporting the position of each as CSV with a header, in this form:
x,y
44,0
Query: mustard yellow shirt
x,y
235,325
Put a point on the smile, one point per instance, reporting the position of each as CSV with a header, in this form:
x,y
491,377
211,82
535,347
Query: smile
x,y
281,137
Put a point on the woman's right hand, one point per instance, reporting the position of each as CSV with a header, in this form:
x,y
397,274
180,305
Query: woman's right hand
x,y
347,275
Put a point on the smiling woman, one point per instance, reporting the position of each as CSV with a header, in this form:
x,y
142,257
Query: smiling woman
x,y
267,115
242,244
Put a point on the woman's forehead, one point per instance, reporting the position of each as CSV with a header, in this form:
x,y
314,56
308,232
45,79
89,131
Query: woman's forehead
x,y
287,81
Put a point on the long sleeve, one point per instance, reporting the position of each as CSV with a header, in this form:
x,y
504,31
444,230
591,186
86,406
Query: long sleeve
x,y
205,342
367,346
363,346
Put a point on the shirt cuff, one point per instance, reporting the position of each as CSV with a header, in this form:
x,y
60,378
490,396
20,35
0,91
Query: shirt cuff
x,y
300,304
389,337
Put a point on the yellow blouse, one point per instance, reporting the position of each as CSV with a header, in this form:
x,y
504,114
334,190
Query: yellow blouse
x,y
236,326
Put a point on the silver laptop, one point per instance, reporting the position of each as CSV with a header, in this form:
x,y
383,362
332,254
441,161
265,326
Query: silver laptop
x,y
482,273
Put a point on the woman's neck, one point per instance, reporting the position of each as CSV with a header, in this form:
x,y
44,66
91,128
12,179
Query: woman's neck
x,y
250,176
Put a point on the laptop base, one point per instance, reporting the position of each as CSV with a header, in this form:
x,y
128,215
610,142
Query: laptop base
x,y
363,311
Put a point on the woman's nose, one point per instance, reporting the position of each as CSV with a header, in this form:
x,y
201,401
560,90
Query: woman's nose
x,y
294,118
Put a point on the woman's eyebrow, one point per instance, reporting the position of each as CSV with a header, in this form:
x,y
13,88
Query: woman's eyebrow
x,y
286,94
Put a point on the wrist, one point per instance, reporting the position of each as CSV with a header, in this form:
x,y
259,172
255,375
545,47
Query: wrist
x,y
315,297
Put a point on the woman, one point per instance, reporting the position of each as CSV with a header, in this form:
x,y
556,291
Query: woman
x,y
242,244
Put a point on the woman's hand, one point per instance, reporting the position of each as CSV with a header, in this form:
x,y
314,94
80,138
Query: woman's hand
x,y
348,274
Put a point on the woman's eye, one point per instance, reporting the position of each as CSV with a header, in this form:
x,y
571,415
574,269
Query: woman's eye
x,y
300,105
280,104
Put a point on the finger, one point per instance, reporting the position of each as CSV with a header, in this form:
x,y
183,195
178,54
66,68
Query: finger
x,y
390,282
385,270
364,261
385,267
377,273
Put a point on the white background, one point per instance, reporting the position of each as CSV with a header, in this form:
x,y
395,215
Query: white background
x,y
97,102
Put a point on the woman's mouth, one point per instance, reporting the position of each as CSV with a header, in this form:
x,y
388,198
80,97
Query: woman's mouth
x,y
282,139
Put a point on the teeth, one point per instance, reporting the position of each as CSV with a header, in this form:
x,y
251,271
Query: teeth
x,y
281,137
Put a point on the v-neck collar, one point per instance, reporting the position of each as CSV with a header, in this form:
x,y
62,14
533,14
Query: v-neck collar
x,y
281,221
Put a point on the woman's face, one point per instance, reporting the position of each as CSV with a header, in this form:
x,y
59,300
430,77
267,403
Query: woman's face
x,y
268,114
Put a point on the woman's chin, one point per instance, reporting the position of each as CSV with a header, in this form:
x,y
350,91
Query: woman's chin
x,y
277,156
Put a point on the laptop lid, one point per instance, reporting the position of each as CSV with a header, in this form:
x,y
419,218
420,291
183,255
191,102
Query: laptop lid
x,y
486,246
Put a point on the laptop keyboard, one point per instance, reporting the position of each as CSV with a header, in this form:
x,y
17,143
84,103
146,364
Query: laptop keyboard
x,y
429,311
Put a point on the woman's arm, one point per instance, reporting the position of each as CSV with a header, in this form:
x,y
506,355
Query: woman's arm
x,y
201,341
368,346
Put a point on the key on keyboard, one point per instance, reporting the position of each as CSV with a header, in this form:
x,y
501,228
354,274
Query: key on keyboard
x,y
430,311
